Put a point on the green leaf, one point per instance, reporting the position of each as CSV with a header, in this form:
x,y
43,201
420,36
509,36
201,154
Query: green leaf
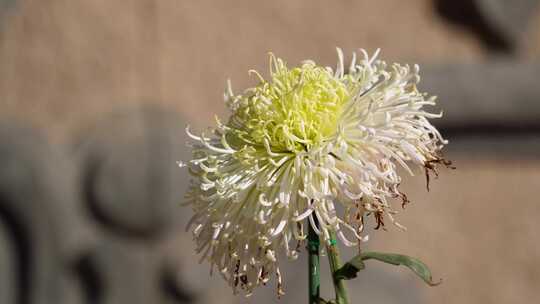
x,y
351,268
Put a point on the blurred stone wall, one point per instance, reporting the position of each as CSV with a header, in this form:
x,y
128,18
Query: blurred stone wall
x,y
94,96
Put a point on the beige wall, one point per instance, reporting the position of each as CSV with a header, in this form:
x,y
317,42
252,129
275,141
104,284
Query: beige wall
x,y
64,61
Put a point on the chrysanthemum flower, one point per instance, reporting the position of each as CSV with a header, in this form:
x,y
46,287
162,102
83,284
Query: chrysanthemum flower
x,y
309,146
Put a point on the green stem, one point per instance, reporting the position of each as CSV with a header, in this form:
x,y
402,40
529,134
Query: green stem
x,y
313,266
335,264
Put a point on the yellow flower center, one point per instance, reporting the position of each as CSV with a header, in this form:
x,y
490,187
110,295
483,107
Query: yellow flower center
x,y
296,110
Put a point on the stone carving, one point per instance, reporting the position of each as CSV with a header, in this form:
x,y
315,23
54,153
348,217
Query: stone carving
x,y
130,186
37,220
502,94
500,24
90,226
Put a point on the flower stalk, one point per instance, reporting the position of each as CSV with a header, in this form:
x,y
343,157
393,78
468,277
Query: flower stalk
x,y
313,267
335,264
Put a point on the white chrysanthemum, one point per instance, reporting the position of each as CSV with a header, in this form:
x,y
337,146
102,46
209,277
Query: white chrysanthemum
x,y
309,146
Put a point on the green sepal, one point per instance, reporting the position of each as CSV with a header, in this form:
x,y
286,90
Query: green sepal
x,y
351,268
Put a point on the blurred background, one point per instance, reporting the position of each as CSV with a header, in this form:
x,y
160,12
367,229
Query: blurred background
x,y
95,94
